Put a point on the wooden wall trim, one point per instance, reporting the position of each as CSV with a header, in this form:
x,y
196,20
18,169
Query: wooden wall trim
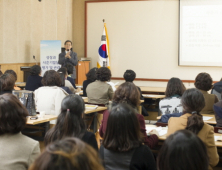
x,y
18,63
157,80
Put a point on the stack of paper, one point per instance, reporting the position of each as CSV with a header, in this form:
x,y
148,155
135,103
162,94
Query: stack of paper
x,y
161,130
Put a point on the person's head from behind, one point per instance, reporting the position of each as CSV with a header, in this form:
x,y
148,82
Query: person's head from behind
x,y
183,150
12,114
8,82
62,77
103,74
70,120
129,75
91,75
127,93
69,68
68,154
123,130
68,45
203,81
11,72
193,102
51,78
35,70
174,87
64,71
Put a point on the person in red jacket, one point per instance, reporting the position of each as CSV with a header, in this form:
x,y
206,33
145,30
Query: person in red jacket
x,y
129,93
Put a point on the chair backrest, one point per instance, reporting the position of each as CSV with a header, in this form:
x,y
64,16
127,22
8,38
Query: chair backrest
x,y
161,124
216,93
217,129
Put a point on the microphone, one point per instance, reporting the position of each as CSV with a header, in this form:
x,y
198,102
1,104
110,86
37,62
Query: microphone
x,y
35,60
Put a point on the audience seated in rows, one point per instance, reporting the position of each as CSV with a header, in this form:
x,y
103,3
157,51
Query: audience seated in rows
x,y
16,150
129,93
90,78
34,80
193,102
62,77
70,122
99,92
122,146
172,102
130,76
183,150
68,154
12,72
203,82
49,97
67,82
69,68
8,82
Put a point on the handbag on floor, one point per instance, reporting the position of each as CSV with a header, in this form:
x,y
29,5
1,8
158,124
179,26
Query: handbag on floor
x,y
27,99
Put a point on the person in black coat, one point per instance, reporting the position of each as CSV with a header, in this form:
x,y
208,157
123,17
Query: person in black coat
x,y
129,76
91,77
68,57
34,80
69,68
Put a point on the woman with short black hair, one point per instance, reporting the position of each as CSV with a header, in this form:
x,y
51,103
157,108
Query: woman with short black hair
x,y
171,104
70,122
48,98
68,154
90,78
122,146
8,82
204,83
99,92
63,77
34,80
193,102
17,151
183,150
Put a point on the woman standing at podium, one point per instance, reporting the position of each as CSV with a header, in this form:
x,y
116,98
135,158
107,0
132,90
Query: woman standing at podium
x,y
68,57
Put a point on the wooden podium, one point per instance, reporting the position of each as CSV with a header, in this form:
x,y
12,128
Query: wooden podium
x,y
81,70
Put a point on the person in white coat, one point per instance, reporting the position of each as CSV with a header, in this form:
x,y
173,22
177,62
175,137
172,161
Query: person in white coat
x,y
49,97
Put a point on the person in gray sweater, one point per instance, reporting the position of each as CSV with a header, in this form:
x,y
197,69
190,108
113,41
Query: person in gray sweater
x,y
16,150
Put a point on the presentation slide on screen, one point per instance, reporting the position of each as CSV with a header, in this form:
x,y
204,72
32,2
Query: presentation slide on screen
x,y
200,33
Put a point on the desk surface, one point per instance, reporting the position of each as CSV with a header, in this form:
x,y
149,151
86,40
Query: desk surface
x,y
86,100
211,121
100,108
46,118
218,143
154,96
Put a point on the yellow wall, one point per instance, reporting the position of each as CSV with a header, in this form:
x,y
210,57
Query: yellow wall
x,y
23,23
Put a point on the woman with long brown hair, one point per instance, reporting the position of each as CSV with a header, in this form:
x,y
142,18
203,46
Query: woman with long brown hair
x,y
122,146
128,93
70,122
68,154
193,102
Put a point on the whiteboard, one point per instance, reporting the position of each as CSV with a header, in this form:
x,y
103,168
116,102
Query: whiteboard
x,y
200,33
143,36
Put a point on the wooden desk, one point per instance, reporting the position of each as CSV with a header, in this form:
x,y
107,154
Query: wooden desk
x,y
98,109
153,96
20,84
46,118
211,121
163,138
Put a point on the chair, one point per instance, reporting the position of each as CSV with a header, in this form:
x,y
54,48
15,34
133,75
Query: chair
x,y
217,129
